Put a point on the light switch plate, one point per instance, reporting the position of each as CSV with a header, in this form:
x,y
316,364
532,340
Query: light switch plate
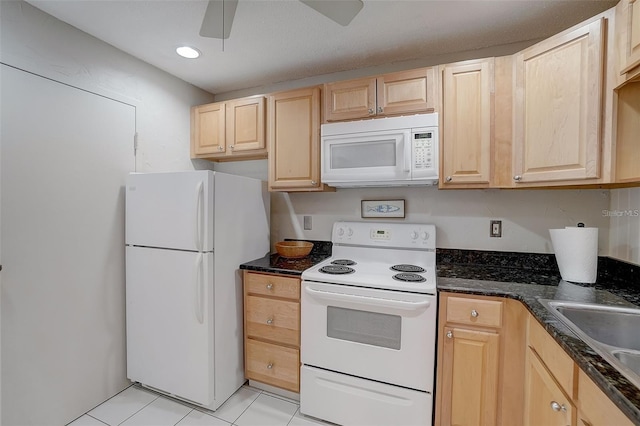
x,y
307,223
496,229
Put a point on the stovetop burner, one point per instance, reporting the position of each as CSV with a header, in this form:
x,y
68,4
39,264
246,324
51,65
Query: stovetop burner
x,y
407,268
336,269
407,277
343,262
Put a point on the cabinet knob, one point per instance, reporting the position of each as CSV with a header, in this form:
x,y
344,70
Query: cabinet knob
x,y
557,407
220,148
517,178
450,334
380,110
314,183
474,313
269,286
270,321
269,366
448,179
231,147
370,111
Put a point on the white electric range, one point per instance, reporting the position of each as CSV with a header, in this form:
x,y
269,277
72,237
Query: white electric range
x,y
368,326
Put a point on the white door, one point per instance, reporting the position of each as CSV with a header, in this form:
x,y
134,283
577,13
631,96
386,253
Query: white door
x,y
170,210
65,155
170,321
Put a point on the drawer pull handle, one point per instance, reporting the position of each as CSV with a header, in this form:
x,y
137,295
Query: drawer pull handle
x,y
557,407
269,286
270,321
474,313
269,366
450,334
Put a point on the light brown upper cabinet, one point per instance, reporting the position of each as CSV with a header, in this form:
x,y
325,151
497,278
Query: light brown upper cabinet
x,y
467,117
558,107
628,133
227,131
405,92
294,140
632,37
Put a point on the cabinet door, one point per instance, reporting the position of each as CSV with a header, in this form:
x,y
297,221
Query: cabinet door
x,y
558,102
470,377
466,130
628,129
208,130
406,92
246,125
294,140
545,402
348,100
633,36
596,408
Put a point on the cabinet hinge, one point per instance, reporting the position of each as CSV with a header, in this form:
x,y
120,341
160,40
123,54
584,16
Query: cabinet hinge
x,y
135,143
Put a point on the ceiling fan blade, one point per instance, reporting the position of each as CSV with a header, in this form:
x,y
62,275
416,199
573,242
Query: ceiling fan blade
x,y
340,11
218,18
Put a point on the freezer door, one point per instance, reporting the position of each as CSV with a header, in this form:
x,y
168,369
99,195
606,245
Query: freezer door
x,y
170,210
169,299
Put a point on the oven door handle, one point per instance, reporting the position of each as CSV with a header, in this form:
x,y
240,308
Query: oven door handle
x,y
368,300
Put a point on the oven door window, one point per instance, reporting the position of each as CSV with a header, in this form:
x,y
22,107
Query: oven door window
x,y
370,328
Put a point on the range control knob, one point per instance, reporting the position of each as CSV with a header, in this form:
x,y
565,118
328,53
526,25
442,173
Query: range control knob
x,y
414,235
424,236
340,232
349,231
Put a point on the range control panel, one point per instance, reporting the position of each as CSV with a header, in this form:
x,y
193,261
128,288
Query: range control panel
x,y
392,235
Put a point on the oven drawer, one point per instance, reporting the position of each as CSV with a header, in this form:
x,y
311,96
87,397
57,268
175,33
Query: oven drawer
x,y
349,400
272,319
272,285
474,311
272,364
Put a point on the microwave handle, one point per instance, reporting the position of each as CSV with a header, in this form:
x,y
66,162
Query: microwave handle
x,y
407,154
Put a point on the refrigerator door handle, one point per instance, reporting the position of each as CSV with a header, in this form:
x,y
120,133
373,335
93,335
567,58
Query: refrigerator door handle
x,y
199,215
199,309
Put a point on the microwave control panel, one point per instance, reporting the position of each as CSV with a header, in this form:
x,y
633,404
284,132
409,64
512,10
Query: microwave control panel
x,y
424,145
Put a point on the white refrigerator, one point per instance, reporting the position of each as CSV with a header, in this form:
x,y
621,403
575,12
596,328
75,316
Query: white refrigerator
x,y
186,234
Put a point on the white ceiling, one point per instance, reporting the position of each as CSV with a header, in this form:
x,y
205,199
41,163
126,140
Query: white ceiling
x,y
279,40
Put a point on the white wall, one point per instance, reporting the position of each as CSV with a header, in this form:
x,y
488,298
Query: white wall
x,y
35,42
461,216
624,235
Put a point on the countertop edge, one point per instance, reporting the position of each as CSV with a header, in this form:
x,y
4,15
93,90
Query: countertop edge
x,y
612,384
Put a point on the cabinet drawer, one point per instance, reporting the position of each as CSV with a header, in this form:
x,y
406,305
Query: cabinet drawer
x,y
596,407
272,364
272,319
555,358
272,285
481,312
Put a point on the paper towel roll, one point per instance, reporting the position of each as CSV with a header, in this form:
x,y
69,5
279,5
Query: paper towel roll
x,y
576,252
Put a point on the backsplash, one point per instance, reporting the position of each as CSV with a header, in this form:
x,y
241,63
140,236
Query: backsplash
x,y
461,216
624,233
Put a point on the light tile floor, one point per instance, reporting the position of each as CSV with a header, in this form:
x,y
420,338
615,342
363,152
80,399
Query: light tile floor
x,y
136,406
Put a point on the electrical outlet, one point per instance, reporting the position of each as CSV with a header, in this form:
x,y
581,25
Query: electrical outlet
x,y
496,229
307,223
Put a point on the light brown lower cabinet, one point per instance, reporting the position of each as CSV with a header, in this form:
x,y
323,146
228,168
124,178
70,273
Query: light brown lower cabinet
x,y
497,365
272,329
480,361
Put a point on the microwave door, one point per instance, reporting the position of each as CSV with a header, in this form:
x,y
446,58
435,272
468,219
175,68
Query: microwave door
x,y
367,157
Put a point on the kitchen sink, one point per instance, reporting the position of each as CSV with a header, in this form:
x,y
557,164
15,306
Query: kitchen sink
x,y
611,331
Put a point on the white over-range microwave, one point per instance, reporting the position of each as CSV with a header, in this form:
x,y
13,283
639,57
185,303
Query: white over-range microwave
x,y
395,151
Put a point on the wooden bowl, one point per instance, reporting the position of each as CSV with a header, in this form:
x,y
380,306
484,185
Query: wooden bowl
x,y
294,249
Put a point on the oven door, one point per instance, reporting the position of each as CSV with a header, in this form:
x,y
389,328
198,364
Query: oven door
x,y
366,157
382,335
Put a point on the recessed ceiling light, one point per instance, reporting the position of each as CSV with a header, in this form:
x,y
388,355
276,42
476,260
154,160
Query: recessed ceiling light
x,y
188,52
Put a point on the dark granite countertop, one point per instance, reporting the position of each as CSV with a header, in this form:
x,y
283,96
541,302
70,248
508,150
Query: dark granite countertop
x,y
617,284
276,264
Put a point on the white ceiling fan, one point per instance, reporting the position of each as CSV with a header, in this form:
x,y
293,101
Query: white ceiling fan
x,y
219,15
